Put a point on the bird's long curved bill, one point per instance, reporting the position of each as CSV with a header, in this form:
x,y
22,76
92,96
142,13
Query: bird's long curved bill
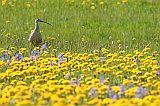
x,y
46,23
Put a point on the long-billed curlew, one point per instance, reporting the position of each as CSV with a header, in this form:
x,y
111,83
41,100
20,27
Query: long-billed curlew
x,y
35,37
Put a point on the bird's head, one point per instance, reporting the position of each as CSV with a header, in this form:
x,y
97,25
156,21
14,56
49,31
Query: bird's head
x,y
39,20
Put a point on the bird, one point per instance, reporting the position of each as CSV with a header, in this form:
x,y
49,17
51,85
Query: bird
x,y
35,37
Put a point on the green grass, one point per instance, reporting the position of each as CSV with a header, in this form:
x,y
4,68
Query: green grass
x,y
72,22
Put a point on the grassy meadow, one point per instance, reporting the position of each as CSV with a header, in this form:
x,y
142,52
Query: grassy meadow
x,y
98,53
83,25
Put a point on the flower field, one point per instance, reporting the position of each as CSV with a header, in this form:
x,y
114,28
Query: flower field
x,y
97,53
97,78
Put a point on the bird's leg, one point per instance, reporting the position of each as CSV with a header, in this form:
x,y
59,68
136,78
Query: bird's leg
x,y
30,48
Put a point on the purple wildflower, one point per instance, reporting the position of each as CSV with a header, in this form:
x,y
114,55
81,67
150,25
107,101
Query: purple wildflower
x,y
103,59
36,57
72,82
44,46
122,90
17,56
93,92
51,63
3,57
36,52
140,92
130,85
69,76
138,95
109,89
139,88
102,79
31,58
144,91
78,83
61,58
114,97
158,73
75,81
110,92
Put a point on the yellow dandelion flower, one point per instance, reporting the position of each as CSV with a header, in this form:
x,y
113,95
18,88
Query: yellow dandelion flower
x,y
146,49
84,2
28,5
118,3
93,7
4,2
125,1
21,83
65,82
25,103
3,51
23,49
101,3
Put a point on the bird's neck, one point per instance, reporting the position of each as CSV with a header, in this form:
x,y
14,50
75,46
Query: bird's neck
x,y
36,26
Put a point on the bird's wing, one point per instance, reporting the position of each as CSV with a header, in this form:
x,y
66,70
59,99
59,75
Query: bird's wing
x,y
35,38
